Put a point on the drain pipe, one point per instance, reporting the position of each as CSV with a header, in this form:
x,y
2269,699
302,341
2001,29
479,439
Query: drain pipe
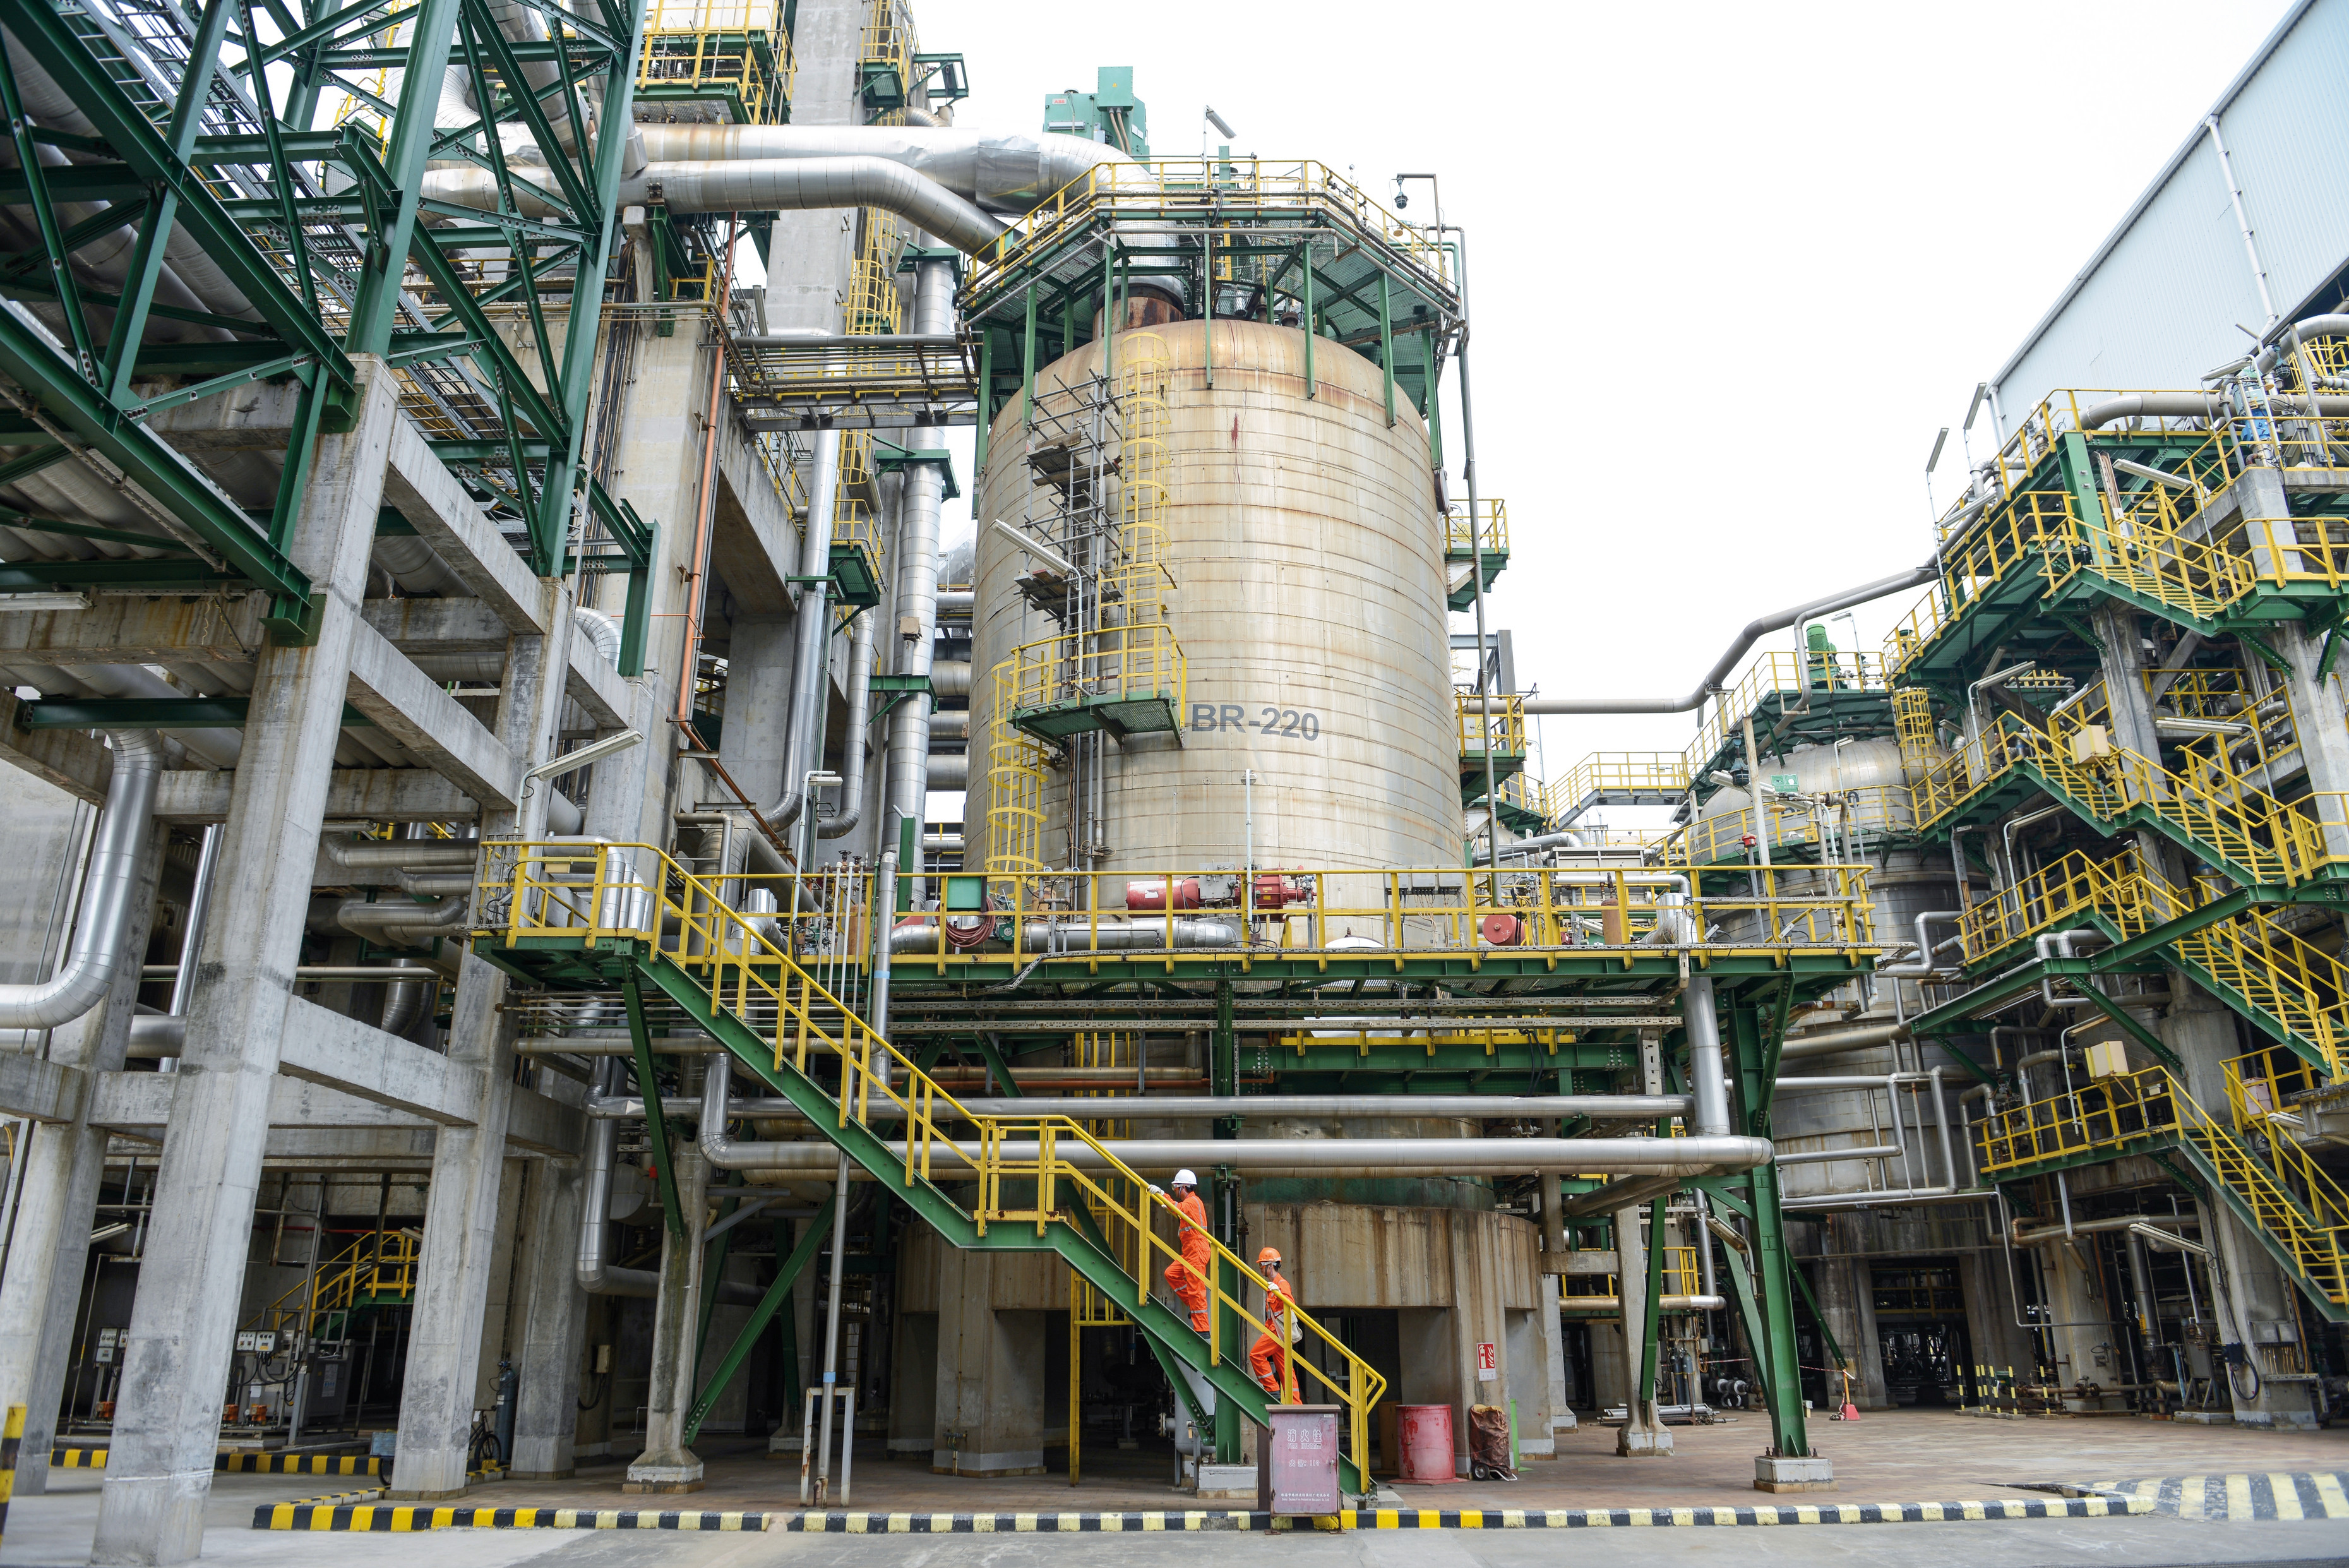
x,y
107,892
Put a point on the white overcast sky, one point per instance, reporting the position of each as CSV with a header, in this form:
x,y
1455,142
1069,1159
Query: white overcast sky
x,y
1733,265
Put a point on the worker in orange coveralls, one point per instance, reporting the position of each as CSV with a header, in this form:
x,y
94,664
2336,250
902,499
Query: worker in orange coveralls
x,y
1188,1276
1268,1356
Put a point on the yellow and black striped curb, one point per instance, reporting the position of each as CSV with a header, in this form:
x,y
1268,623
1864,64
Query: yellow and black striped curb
x,y
2244,1494
880,1523
381,1517
260,1464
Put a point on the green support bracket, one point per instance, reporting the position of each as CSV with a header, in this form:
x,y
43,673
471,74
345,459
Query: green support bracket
x,y
888,691
888,457
2131,1027
992,1052
648,1085
777,1294
1803,1287
2268,656
713,1263
640,544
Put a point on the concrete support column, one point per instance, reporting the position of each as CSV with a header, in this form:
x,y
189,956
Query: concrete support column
x,y
1644,1432
2316,708
760,669
49,1249
2257,1295
1843,1282
1478,1320
442,1385
666,1465
1553,1336
991,1377
182,1325
555,1319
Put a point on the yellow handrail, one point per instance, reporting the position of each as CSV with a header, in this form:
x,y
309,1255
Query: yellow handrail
x,y
1327,913
601,894
2268,964
2120,1112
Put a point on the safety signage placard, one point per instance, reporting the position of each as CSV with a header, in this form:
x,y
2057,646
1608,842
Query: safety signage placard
x,y
1487,1366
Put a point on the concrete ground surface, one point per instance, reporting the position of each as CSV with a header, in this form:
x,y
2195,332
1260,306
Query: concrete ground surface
x,y
1893,1456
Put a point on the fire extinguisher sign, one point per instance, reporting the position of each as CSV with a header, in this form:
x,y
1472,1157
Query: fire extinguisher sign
x,y
1487,1366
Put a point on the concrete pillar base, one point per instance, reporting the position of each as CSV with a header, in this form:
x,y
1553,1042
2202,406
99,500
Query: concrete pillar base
x,y
1776,1472
982,1471
450,1495
662,1487
2277,1420
1643,1439
681,1473
564,1474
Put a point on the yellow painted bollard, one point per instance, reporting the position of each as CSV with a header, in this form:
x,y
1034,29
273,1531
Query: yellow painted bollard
x,y
12,1437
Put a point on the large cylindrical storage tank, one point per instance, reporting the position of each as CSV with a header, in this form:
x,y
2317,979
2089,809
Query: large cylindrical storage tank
x,y
1306,555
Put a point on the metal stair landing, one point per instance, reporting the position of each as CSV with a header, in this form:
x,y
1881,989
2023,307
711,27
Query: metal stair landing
x,y
625,921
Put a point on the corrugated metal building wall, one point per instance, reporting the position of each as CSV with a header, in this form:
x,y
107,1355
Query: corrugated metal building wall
x,y
2159,302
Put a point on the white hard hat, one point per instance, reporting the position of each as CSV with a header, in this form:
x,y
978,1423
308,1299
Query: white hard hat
x,y
1185,1178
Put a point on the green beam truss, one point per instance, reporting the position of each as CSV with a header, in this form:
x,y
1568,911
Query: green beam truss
x,y
210,135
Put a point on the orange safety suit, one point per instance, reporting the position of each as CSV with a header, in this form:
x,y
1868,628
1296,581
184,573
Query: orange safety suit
x,y
1268,1356
1188,1277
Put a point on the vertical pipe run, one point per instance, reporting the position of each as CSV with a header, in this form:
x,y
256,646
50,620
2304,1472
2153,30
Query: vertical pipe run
x,y
1476,567
1705,1065
832,1326
199,903
908,784
811,672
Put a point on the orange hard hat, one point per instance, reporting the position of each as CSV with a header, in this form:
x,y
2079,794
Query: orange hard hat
x,y
1268,1255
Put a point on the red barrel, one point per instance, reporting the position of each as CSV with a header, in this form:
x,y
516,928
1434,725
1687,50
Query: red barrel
x,y
1424,1435
1503,931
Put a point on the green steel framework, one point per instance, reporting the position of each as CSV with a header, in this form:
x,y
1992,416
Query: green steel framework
x,y
320,229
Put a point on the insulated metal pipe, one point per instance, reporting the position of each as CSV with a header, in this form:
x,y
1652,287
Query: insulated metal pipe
x,y
1202,1107
1834,1041
1667,1160
763,186
1755,631
597,1276
811,669
108,889
998,172
1705,1070
860,717
907,781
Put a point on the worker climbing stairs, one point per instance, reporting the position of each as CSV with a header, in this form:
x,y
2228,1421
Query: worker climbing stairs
x,y
627,921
